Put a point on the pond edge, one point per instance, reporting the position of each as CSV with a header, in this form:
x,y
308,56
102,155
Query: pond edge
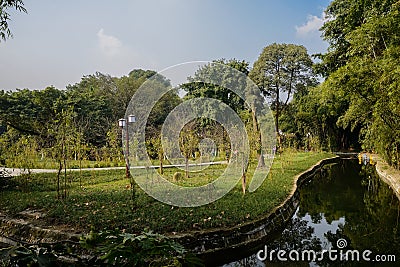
x,y
214,242
388,174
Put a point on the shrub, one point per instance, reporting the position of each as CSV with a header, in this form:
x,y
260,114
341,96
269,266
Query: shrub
x,y
177,177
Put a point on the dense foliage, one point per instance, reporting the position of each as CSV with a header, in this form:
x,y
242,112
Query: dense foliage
x,y
83,117
357,105
362,68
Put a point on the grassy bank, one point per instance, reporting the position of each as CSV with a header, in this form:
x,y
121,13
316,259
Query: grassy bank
x,y
104,199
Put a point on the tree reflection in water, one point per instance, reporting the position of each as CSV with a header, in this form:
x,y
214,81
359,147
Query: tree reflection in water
x,y
345,201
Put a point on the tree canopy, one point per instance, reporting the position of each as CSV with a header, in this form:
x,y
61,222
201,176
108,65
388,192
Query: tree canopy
x,y
280,71
93,106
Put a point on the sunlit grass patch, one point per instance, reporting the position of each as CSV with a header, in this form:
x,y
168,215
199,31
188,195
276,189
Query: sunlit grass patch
x,y
104,199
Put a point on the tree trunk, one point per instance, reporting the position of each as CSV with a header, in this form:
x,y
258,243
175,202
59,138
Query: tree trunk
x,y
277,113
260,156
80,168
243,180
397,157
65,173
161,156
186,167
65,179
58,178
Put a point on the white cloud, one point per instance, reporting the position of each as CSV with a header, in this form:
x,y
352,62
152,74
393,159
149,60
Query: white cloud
x,y
113,57
108,44
312,26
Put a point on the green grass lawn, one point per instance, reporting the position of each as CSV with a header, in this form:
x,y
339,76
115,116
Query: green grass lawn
x,y
104,200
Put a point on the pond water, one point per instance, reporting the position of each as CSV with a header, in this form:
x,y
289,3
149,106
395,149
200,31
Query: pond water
x,y
345,207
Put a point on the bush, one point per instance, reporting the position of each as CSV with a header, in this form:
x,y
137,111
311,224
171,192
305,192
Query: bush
x,y
177,177
117,248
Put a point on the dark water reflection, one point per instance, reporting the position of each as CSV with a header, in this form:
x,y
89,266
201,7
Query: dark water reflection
x,y
346,201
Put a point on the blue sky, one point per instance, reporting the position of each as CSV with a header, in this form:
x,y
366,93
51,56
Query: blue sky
x,y
58,42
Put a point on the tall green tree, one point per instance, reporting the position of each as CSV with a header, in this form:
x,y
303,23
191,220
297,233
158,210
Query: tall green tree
x,y
280,71
126,87
216,71
223,75
189,143
100,100
65,139
93,112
